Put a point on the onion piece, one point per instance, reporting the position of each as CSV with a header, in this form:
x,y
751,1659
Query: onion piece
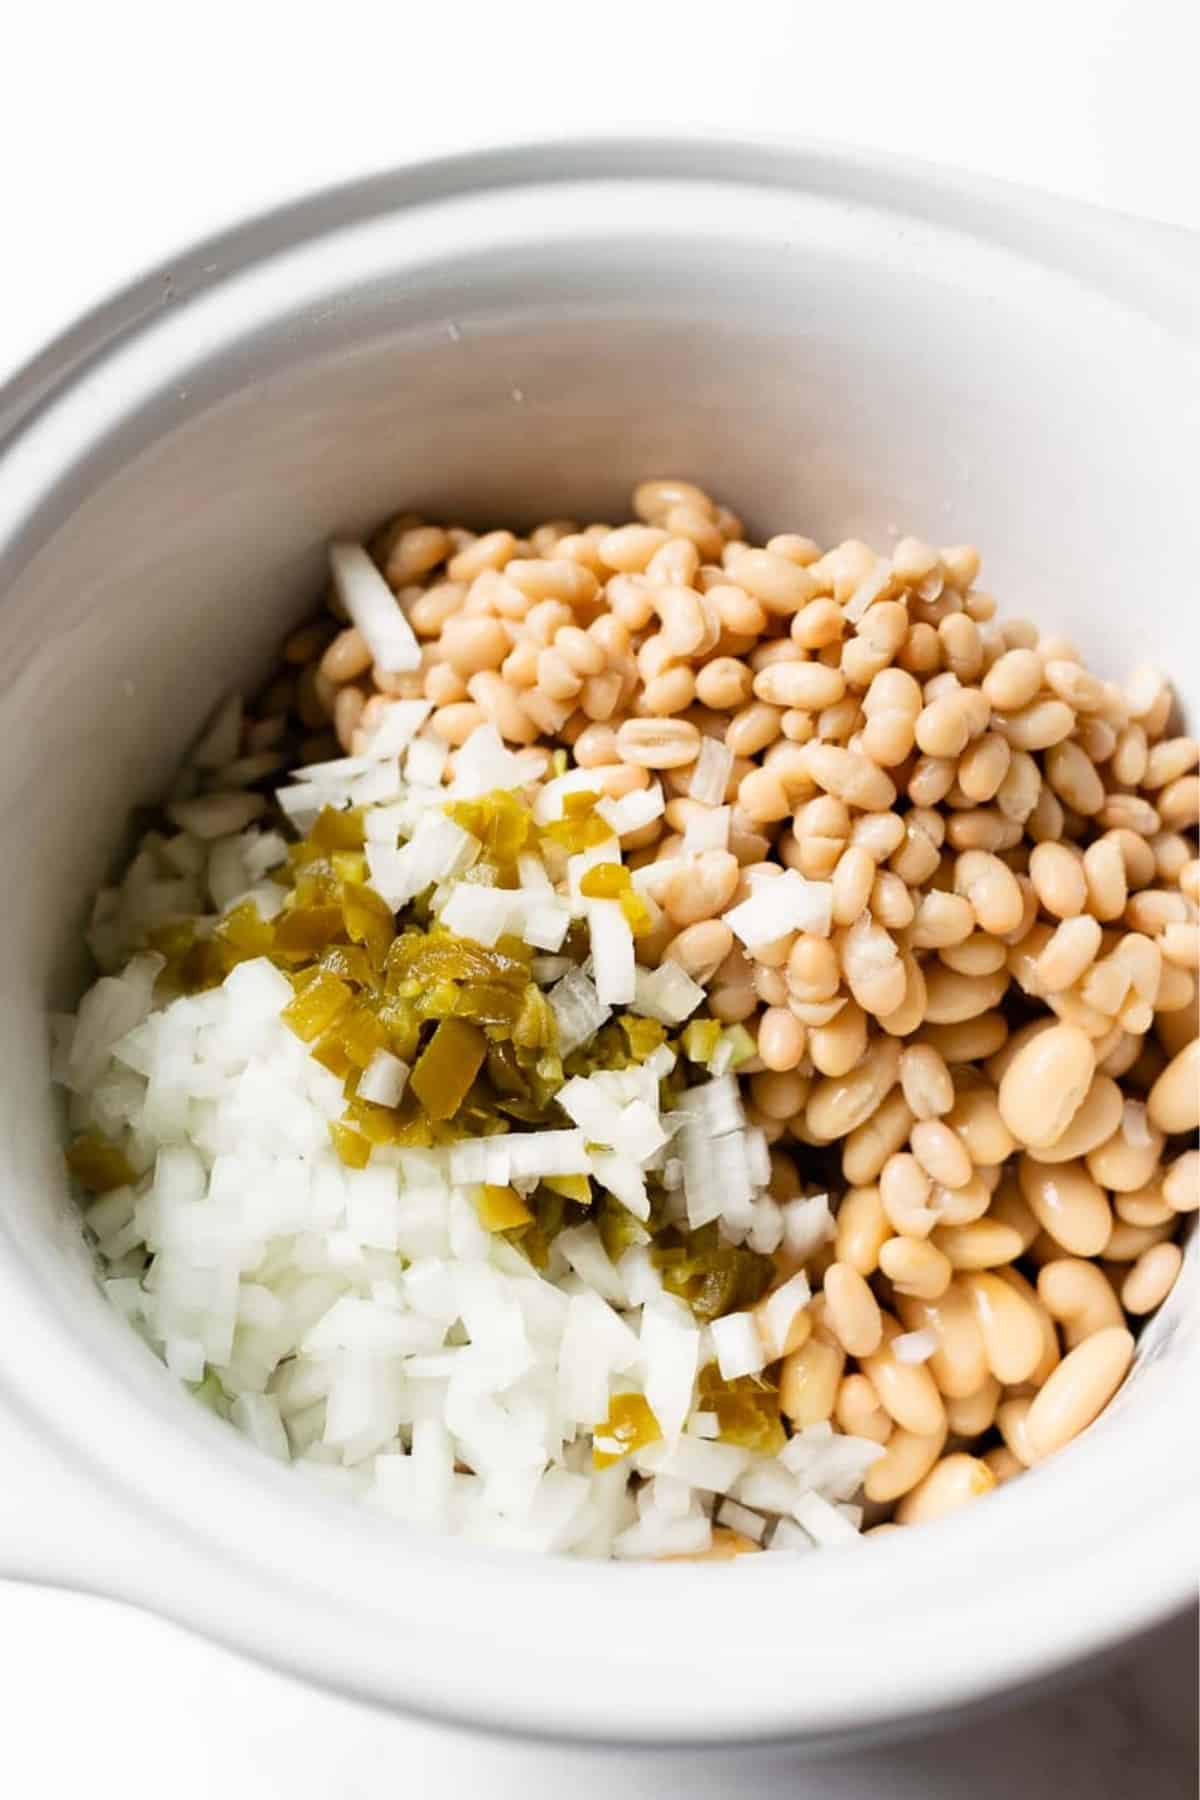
x,y
786,903
578,1011
868,590
548,1153
485,914
373,607
632,811
258,1416
384,1079
485,763
438,849
585,1252
667,993
612,952
548,802
697,1461
1134,1127
596,1344
670,1352
823,1523
738,1345
621,1176
710,772
789,1539
425,762
708,830
778,1312
216,815
263,851
736,1517
632,1130
914,1346
807,1224
400,722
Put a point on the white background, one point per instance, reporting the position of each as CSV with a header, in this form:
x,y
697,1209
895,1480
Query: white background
x,y
125,131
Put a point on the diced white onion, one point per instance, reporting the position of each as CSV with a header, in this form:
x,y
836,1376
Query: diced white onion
x,y
670,1347
483,913
914,1346
263,851
373,607
612,952
258,1416
739,1518
381,781
823,1523
711,771
631,1129
738,1345
785,903
621,1176
632,812
788,1537
383,1080
548,803
778,1313
765,1233
302,803
667,993
596,1344
586,1254
807,1224
708,830
398,726
350,1313
548,1153
699,1462
211,816
425,762
868,591
485,763
1134,1127
578,1011
185,1358
652,878
438,849
548,969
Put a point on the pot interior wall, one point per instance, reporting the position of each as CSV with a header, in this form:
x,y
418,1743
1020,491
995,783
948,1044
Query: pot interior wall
x,y
816,390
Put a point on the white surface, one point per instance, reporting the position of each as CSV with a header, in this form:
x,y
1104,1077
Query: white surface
x,y
128,142
114,1706
124,134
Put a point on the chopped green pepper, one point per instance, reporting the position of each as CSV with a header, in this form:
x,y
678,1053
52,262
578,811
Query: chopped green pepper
x,y
630,1426
700,1039
712,1276
604,881
447,1066
747,1410
351,1145
336,830
315,1008
98,1165
501,1209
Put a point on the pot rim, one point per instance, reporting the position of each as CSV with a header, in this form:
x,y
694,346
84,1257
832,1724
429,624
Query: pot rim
x,y
230,1544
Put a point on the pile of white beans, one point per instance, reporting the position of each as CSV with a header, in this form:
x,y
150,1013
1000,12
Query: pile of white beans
x,y
994,1048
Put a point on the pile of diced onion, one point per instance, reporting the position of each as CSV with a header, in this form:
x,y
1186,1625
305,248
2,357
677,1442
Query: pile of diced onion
x,y
363,1322
892,847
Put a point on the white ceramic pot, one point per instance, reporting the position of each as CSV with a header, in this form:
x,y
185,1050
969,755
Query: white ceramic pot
x,y
832,343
